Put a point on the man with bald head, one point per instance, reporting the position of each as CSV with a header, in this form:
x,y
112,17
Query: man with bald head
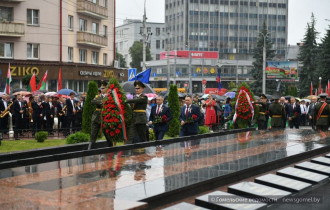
x,y
160,111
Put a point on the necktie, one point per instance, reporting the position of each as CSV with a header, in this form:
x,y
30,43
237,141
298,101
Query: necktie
x,y
157,110
187,110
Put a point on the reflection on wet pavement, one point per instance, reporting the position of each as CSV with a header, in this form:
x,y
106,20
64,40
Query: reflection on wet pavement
x,y
107,180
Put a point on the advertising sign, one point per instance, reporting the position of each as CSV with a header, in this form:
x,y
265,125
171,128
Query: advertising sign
x,y
194,54
282,69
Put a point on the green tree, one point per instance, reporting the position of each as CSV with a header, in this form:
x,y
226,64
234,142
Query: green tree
x,y
231,86
174,105
26,80
137,56
122,60
89,108
323,67
308,58
257,70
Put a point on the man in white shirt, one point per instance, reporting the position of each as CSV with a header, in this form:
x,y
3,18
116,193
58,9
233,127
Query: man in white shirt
x,y
304,112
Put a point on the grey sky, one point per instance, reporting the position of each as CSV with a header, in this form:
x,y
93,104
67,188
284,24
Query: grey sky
x,y
299,14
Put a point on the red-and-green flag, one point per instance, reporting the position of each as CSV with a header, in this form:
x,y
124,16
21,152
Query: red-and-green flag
x,y
42,83
8,81
32,84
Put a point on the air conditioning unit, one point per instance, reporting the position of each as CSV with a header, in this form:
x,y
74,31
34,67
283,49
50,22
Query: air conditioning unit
x,y
116,64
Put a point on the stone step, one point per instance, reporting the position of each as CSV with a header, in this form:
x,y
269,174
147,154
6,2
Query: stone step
x,y
302,175
258,191
328,155
184,206
321,160
224,200
313,167
282,183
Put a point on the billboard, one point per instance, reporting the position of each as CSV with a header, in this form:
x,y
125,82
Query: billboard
x,y
282,69
194,54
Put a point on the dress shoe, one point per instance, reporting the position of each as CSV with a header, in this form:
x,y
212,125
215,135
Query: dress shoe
x,y
17,139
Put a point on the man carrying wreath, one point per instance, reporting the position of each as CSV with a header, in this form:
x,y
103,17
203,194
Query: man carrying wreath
x,y
160,117
189,117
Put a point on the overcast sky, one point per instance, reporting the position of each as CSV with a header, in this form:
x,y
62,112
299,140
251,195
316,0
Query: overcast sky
x,y
299,14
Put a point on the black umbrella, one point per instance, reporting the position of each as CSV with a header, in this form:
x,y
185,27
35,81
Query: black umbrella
x,y
288,97
219,98
269,97
129,87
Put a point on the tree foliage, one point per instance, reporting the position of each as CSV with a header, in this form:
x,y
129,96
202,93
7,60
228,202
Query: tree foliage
x,y
323,67
26,79
257,64
89,108
308,58
120,57
136,52
174,105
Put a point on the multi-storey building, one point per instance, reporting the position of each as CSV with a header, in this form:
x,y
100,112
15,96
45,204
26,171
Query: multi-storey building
x,y
74,35
229,27
132,30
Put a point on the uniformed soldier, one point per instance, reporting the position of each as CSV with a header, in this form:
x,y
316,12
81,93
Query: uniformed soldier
x,y
277,113
262,112
139,119
97,117
321,114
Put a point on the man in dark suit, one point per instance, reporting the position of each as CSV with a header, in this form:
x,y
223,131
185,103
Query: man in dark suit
x,y
71,112
311,111
49,112
286,109
19,109
160,111
294,113
4,103
61,110
189,117
36,115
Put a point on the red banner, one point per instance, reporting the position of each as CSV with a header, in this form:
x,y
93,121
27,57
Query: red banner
x,y
194,54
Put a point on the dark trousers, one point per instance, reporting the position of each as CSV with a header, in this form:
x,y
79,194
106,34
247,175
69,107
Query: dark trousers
x,y
303,120
70,119
294,122
95,128
284,123
4,124
36,125
261,125
18,126
61,123
140,130
159,133
50,125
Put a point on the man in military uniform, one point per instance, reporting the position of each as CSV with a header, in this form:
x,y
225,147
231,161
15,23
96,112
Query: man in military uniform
x,y
277,113
97,117
321,114
139,119
262,112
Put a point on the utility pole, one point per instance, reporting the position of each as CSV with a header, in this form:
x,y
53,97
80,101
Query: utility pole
x,y
168,62
202,72
144,37
189,73
264,64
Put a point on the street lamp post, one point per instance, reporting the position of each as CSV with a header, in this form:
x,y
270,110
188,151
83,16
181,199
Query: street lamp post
x,y
264,64
320,85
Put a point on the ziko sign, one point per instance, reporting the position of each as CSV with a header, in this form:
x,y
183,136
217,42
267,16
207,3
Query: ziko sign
x,y
23,70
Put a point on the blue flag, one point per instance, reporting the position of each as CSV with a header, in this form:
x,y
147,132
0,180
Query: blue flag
x,y
143,76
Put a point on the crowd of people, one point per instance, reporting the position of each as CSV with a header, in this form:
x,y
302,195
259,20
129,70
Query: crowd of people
x,y
38,113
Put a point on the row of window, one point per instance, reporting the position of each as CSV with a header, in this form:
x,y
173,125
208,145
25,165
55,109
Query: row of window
x,y
235,14
235,39
236,3
243,27
150,31
83,26
33,52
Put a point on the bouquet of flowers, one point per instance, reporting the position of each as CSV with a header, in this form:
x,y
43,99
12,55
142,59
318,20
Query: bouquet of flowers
x,y
191,119
160,119
295,115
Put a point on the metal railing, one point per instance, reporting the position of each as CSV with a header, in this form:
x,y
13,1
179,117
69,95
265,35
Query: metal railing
x,y
92,9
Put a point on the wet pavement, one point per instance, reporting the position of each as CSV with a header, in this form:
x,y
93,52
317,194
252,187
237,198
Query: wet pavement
x,y
120,180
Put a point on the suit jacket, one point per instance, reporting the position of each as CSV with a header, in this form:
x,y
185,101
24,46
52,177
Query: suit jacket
x,y
293,111
311,109
190,128
139,103
59,109
49,110
2,106
163,110
17,108
69,107
36,110
323,120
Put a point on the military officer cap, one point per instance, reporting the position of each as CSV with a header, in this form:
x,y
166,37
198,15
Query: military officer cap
x,y
263,96
139,83
323,95
103,84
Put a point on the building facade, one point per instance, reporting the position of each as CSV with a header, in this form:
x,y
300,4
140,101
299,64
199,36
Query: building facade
x,y
132,31
74,35
229,27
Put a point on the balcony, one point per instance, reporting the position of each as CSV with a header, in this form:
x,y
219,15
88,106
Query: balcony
x,y
92,40
93,10
12,29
